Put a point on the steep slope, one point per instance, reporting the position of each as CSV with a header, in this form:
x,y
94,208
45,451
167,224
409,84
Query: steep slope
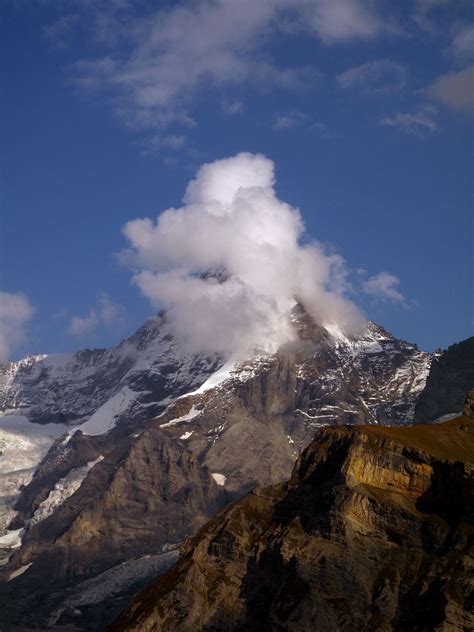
x,y
451,375
372,532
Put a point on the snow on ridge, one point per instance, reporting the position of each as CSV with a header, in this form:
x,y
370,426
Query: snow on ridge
x,y
19,571
194,412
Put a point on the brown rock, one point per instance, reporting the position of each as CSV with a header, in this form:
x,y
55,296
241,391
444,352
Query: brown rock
x,y
469,404
373,532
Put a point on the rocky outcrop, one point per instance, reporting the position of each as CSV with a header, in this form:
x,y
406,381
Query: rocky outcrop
x,y
469,404
450,377
373,532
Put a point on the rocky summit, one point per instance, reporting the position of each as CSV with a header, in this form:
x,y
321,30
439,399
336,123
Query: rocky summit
x,y
373,532
111,458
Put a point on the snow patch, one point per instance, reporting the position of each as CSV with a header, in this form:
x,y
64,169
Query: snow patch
x,y
12,539
219,478
186,435
105,417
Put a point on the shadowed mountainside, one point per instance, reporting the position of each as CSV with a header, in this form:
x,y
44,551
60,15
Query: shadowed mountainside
x,y
451,375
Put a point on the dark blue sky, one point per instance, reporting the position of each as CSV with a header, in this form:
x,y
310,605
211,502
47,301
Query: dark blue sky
x,y
109,108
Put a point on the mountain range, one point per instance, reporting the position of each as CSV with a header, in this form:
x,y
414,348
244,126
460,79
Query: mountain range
x,y
111,458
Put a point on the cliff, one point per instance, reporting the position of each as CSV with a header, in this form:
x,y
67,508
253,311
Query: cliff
x,y
373,532
451,375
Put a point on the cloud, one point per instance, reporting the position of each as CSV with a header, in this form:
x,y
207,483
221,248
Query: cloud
x,y
233,221
422,14
374,77
462,46
81,325
344,20
105,313
232,108
384,287
289,120
15,312
417,123
455,89
295,119
166,60
59,32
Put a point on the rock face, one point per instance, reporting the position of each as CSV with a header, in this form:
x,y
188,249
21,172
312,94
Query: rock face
x,y
469,404
450,377
373,531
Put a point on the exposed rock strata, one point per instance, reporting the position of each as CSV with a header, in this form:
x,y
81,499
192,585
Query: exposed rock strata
x,y
373,532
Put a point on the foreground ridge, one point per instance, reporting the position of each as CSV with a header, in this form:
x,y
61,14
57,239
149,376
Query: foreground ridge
x,y
372,532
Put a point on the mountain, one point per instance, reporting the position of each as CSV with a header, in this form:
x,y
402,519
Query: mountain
x,y
112,457
450,377
373,531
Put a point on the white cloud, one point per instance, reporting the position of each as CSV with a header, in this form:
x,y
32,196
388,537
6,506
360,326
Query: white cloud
x,y
15,312
233,220
418,122
104,313
384,287
455,89
176,53
379,76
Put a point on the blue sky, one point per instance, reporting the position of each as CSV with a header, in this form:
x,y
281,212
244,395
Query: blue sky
x,y
110,108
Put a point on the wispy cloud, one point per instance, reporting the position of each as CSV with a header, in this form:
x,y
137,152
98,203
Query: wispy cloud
x,y
15,312
424,14
155,67
106,313
374,77
58,33
295,119
454,89
418,123
462,46
289,120
232,108
384,287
